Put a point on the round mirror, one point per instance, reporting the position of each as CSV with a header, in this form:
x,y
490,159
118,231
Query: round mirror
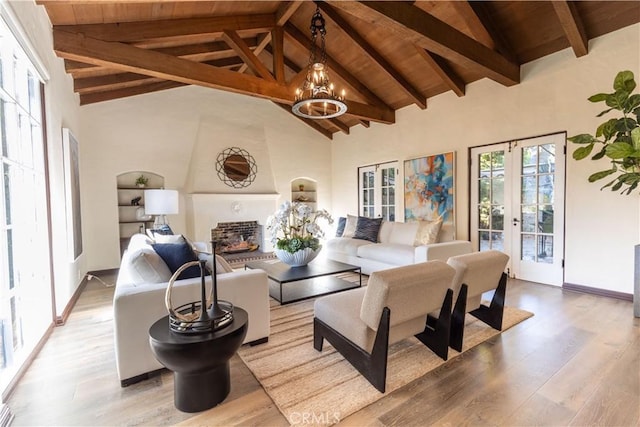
x,y
236,167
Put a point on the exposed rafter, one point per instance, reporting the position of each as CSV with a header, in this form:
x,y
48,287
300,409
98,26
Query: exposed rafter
x,y
277,41
236,43
442,69
436,36
92,98
419,99
500,42
572,26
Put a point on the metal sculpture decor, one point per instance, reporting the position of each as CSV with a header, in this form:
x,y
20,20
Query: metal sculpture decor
x,y
199,317
236,167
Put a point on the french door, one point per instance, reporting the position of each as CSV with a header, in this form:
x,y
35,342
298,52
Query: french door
x,y
517,205
377,191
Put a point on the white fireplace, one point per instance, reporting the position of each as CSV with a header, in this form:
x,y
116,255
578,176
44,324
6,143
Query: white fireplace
x,y
206,210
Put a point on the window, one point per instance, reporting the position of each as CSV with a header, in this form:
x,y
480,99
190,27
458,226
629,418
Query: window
x,y
377,190
25,283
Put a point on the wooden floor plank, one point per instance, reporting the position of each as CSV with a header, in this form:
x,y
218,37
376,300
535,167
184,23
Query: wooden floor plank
x,y
574,363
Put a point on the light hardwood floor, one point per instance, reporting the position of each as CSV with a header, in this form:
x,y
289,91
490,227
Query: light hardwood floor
x,y
576,362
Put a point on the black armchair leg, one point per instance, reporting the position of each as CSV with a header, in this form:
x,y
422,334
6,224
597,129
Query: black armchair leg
x,y
436,331
493,314
372,366
457,319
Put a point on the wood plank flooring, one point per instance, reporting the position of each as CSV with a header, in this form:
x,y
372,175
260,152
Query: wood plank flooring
x,y
576,362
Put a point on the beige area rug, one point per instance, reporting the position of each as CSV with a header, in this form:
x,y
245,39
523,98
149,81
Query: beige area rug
x,y
322,388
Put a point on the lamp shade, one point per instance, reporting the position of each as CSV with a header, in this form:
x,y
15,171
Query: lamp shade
x,y
161,202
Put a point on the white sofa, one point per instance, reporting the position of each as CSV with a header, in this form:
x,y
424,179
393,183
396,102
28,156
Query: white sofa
x,y
139,301
395,247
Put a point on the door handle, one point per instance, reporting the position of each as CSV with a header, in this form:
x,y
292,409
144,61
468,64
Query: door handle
x,y
515,221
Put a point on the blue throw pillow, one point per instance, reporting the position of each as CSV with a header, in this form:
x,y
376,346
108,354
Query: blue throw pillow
x,y
177,254
342,221
367,229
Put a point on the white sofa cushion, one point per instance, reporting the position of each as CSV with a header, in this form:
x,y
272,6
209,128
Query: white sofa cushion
x,y
385,231
389,253
144,265
403,233
347,245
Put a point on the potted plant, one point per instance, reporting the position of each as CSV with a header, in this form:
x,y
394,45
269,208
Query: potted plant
x,y
295,233
619,140
141,181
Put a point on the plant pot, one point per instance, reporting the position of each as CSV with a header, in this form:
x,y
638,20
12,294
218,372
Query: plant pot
x,y
297,259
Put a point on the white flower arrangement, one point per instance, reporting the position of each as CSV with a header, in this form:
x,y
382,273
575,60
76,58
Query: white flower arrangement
x,y
294,227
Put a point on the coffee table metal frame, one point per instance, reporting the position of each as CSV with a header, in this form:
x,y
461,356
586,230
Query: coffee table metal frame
x,y
283,274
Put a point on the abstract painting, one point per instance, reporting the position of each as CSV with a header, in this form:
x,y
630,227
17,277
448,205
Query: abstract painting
x,y
429,191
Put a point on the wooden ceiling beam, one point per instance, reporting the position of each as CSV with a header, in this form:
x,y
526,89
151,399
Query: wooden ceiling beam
x,y
92,98
365,123
501,44
354,83
572,25
277,41
201,52
145,30
419,99
250,59
122,80
132,59
338,124
423,29
311,123
475,24
285,11
129,58
443,70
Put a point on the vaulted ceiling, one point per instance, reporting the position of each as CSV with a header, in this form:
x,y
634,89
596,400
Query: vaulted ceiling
x,y
387,55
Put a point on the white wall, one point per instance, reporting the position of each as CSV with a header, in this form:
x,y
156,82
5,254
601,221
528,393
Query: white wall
x,y
178,134
62,110
601,227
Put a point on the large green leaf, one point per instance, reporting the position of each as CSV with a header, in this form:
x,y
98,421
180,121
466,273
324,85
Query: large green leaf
x,y
624,81
599,175
602,113
598,97
625,124
583,152
617,186
607,129
635,138
583,138
619,150
600,154
632,187
617,100
632,103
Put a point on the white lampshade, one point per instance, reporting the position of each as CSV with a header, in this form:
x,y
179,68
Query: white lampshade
x,y
161,202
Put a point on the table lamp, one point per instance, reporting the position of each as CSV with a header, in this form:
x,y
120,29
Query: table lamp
x,y
160,203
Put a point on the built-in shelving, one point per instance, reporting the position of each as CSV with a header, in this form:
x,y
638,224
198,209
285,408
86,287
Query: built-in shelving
x,y
304,190
128,221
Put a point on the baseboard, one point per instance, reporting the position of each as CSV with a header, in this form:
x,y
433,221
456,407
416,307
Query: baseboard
x,y
62,319
597,291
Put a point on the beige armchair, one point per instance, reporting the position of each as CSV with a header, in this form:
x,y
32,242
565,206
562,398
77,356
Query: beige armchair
x,y
477,273
361,323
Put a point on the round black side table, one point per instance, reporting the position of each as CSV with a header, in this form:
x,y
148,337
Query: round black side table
x,y
200,362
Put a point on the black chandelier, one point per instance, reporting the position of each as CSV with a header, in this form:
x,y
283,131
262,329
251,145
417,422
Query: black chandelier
x,y
316,98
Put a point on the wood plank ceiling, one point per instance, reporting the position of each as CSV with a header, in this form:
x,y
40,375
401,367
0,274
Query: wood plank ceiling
x,y
387,55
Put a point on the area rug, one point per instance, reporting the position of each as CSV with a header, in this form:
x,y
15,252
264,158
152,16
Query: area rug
x,y
322,388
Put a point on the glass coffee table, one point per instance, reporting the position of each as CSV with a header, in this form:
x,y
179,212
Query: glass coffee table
x,y
291,284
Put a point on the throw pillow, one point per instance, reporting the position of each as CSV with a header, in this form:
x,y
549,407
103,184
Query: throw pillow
x,y
144,265
342,221
427,232
350,226
177,254
367,229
